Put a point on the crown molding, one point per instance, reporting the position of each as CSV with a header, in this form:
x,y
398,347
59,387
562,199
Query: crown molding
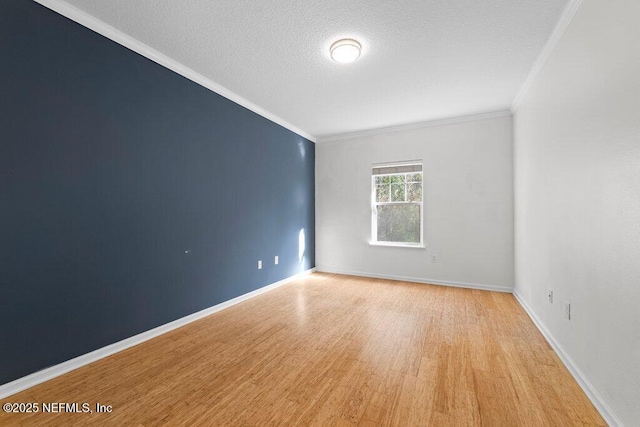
x,y
418,125
131,43
561,27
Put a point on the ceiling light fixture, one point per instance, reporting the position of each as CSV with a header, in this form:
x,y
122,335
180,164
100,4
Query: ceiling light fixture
x,y
345,51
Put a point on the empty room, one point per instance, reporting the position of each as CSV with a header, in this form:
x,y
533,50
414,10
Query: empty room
x,y
331,213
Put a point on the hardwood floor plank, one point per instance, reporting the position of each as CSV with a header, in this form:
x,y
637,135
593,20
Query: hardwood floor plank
x,y
333,350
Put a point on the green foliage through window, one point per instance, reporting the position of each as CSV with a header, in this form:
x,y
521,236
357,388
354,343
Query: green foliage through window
x,y
399,223
398,207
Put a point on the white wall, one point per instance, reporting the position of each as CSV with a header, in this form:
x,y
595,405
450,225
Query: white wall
x,y
468,204
577,206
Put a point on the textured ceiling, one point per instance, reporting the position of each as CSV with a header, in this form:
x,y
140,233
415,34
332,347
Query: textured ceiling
x,y
422,59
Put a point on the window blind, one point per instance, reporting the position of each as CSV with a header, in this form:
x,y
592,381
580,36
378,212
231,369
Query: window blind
x,y
391,169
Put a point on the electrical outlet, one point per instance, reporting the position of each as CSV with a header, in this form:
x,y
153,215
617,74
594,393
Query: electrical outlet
x,y
550,296
434,258
260,265
567,310
275,260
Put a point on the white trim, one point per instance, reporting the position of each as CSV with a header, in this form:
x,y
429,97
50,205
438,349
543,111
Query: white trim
x,y
561,27
398,245
479,286
375,204
419,125
588,388
129,42
47,374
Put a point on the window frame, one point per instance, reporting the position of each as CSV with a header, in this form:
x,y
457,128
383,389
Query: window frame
x,y
375,204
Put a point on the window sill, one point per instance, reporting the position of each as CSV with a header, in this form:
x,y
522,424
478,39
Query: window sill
x,y
397,245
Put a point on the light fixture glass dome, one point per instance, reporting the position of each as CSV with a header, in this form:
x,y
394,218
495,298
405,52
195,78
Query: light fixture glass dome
x,y
345,51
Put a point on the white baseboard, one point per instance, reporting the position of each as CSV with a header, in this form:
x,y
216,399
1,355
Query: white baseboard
x,y
419,280
47,374
588,388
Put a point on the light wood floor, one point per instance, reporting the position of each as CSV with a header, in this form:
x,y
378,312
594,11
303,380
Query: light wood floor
x,y
334,350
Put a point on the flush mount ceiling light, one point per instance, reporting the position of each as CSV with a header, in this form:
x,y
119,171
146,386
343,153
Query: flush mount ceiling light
x,y
345,51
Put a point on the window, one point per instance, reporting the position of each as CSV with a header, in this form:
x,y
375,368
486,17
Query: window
x,y
396,204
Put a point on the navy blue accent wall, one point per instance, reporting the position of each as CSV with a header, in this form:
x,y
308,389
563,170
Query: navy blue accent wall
x,y
129,195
